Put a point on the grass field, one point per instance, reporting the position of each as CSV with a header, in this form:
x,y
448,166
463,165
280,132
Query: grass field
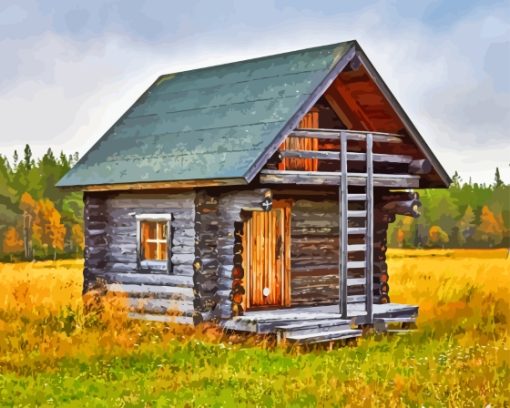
x,y
52,354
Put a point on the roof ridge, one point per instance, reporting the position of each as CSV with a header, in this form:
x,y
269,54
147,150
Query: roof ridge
x,y
261,58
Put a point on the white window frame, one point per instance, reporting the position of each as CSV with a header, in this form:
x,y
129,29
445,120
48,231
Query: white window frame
x,y
153,266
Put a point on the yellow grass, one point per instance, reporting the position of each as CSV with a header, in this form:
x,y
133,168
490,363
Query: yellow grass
x,y
52,353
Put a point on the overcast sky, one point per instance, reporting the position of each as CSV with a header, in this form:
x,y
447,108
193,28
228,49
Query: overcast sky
x,y
69,69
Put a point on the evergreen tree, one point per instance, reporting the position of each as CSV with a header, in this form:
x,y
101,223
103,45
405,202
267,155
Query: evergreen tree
x,y
28,161
15,159
497,179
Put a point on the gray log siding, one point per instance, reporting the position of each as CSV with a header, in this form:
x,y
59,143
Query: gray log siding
x,y
230,206
314,252
206,263
206,229
96,241
111,245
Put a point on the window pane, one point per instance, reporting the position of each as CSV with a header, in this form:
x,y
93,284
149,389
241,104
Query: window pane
x,y
148,230
149,250
162,252
163,230
154,240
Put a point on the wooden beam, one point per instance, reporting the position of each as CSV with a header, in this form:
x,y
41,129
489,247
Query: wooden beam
x,y
408,125
333,178
330,155
422,166
369,238
407,207
334,134
159,185
342,111
340,90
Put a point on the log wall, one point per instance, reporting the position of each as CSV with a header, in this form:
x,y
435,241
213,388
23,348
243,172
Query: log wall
x,y
314,252
111,250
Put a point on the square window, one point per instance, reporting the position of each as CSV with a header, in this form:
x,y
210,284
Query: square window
x,y
153,240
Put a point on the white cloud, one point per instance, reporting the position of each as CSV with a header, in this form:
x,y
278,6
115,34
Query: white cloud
x,y
64,92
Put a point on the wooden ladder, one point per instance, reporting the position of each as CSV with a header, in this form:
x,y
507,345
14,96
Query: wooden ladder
x,y
347,232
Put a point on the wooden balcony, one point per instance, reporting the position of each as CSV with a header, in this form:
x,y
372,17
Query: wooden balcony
x,y
306,168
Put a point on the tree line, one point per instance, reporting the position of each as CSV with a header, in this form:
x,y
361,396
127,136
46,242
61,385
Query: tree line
x,y
467,215
40,221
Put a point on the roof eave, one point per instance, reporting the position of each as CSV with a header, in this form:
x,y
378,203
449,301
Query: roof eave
x,y
157,185
402,115
293,122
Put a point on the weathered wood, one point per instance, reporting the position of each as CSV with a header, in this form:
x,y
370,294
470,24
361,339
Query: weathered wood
x,y
330,155
318,92
155,291
183,184
160,306
333,178
369,253
150,279
335,134
409,208
421,167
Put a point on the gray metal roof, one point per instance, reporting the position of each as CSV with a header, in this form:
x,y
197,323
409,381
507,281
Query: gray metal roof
x,y
209,123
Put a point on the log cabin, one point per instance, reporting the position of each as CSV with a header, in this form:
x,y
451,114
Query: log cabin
x,y
257,195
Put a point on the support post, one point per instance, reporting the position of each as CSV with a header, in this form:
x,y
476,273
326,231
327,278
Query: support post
x,y
369,238
343,224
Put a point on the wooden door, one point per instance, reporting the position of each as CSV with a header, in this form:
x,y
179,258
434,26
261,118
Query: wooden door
x,y
267,258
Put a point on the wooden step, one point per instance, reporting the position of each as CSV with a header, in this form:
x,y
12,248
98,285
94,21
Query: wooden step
x,y
312,327
356,298
357,213
356,264
324,336
356,197
356,230
356,281
402,319
356,247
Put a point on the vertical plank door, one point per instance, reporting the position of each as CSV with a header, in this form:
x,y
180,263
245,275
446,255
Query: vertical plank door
x,y
266,257
309,121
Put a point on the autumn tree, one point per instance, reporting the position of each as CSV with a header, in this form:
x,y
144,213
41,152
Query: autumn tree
x,y
52,231
29,209
77,237
466,226
437,236
490,230
12,243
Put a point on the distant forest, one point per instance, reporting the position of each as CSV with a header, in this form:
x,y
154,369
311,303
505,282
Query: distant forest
x,y
39,221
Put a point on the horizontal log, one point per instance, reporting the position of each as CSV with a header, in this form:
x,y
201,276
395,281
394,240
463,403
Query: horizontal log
x,y
334,134
351,156
161,306
153,291
333,178
421,166
150,279
399,196
409,208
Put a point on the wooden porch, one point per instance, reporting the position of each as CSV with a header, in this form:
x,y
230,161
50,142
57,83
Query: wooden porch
x,y
317,324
